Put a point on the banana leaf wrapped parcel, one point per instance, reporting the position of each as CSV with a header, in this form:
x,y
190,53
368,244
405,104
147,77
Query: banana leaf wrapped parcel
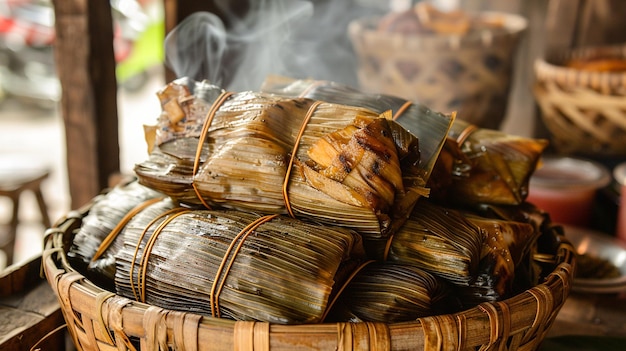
x,y
478,255
329,162
527,212
227,263
390,293
484,166
421,121
311,202
246,266
475,165
104,216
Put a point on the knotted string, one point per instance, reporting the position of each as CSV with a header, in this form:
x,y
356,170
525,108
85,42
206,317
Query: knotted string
x,y
148,250
205,129
402,109
307,117
465,133
108,240
143,234
343,287
312,87
218,283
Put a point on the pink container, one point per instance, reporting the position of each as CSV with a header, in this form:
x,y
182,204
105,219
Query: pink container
x,y
619,173
565,187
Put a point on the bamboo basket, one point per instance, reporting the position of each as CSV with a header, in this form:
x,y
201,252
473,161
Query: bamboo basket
x,y
584,111
469,74
101,320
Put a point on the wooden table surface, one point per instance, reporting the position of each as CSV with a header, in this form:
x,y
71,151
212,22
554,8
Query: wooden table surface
x,y
593,315
29,310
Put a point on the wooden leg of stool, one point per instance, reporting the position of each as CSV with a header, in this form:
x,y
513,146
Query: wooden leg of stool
x,y
45,217
10,247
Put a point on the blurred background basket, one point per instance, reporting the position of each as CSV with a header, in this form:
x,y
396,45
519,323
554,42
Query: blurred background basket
x,y
470,74
101,320
584,111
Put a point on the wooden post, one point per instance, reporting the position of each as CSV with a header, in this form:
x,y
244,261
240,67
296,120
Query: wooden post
x,y
577,23
86,69
561,25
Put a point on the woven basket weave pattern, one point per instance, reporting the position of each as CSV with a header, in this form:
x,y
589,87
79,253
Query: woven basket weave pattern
x,y
585,112
99,320
470,75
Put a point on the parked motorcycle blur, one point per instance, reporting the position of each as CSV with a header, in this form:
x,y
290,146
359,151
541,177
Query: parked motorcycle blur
x,y
27,67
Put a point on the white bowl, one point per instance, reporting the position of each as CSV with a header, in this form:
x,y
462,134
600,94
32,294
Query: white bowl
x,y
602,246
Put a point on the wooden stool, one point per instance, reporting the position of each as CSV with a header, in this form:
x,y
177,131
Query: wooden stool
x,y
15,178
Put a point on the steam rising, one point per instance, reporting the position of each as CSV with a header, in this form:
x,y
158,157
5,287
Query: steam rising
x,y
299,39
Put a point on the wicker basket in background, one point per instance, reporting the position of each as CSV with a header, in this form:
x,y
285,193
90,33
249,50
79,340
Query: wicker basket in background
x,y
100,320
470,74
584,111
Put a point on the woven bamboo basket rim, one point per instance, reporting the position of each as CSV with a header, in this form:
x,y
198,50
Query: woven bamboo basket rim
x,y
101,320
364,29
552,68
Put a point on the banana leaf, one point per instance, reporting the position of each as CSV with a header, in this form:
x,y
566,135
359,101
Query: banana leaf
x,y
392,293
233,264
440,240
505,245
484,166
105,213
478,255
526,252
426,124
475,165
347,166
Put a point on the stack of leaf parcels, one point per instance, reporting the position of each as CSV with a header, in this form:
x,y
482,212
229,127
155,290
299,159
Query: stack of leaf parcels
x,y
476,165
332,163
287,209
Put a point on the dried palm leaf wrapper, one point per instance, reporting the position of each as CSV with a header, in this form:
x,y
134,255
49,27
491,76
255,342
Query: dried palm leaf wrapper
x,y
333,163
505,245
478,255
439,240
234,264
526,213
480,165
103,263
107,211
475,165
429,126
511,259
392,293
530,265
